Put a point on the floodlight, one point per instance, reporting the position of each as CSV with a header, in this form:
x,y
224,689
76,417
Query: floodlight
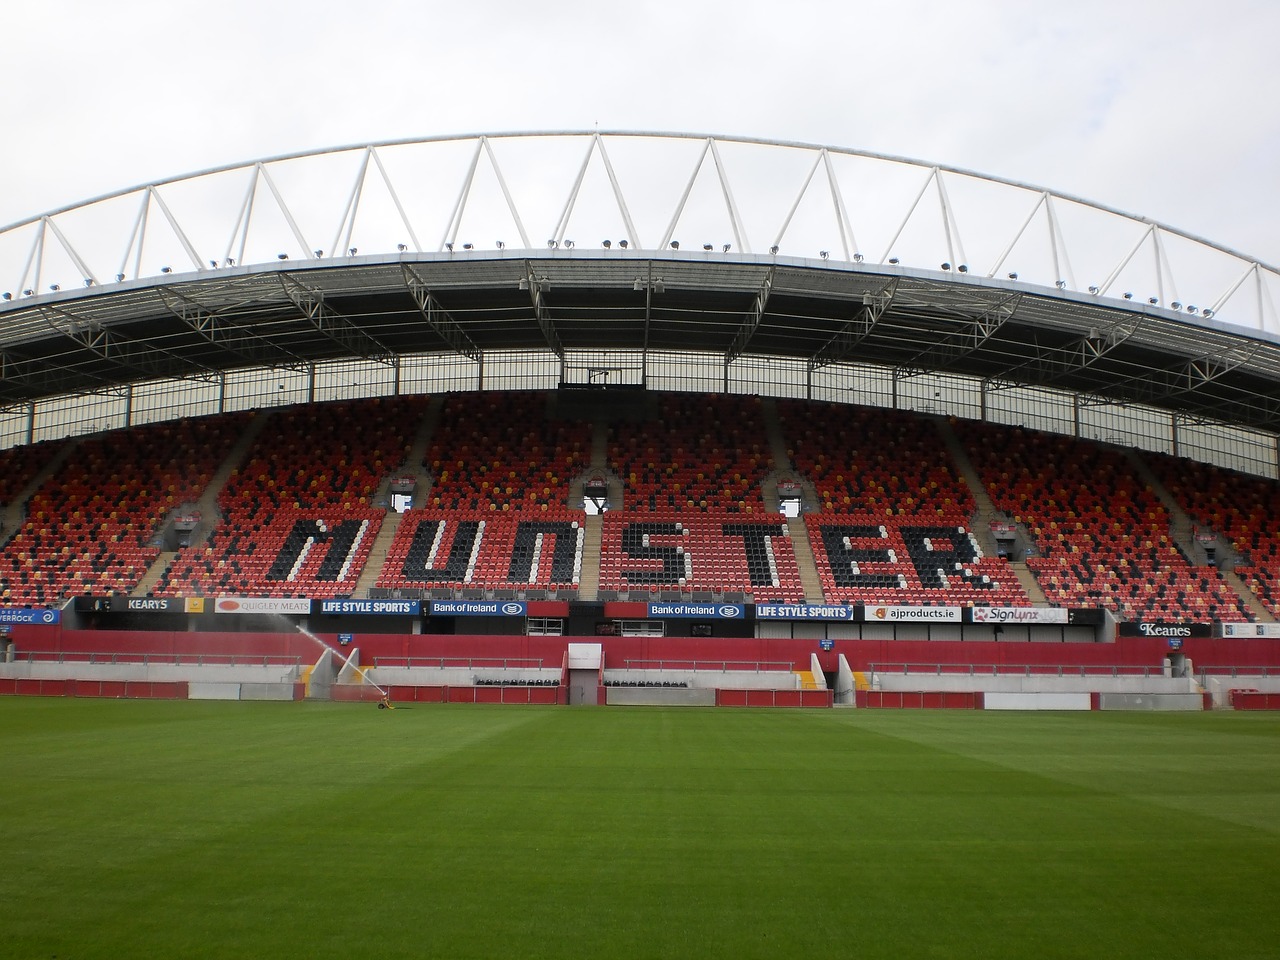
x,y
468,246
402,247
706,246
55,287
569,244
622,244
1208,312
774,249
552,244
214,264
963,268
894,261
1093,288
725,248
88,281
1013,276
857,258
675,244
352,252
28,293
120,278
7,295
1177,305
1128,295
166,269
606,244
824,254
231,262
946,266
318,253
1191,309
1154,301
1060,284
282,256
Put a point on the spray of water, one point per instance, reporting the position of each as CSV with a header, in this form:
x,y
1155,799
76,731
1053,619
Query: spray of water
x,y
360,671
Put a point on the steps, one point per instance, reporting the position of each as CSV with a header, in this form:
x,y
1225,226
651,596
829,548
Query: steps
x,y
589,576
207,504
1182,533
153,574
412,467
986,510
1180,525
805,563
807,680
1029,583
1251,601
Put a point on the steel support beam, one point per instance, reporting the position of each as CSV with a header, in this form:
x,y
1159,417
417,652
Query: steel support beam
x,y
332,324
439,319
857,328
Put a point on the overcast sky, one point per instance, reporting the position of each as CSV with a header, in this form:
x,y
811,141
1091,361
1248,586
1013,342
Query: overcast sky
x,y
1163,108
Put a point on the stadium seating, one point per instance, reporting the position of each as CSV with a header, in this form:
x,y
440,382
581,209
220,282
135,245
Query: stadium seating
x,y
871,461
1239,507
499,451
90,528
879,559
663,552
693,518
1101,535
496,518
893,520
310,479
701,453
503,551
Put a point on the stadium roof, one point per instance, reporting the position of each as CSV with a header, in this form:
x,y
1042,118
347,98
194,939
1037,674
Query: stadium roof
x,y
250,291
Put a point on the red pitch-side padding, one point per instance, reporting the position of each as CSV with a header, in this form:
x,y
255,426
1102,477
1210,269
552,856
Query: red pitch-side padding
x,y
773,698
1254,700
915,700
125,689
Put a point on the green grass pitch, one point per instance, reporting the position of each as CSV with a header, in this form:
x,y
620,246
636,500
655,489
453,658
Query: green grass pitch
x,y
135,828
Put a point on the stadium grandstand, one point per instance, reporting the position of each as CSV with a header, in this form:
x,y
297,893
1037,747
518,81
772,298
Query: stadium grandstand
x,y
649,418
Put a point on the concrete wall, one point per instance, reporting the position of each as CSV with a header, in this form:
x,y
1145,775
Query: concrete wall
x,y
154,673
1033,684
1147,701
660,696
1037,701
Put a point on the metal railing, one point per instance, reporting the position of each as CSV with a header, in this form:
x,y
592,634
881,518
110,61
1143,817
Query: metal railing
x,y
1015,670
723,666
462,663
1231,672
157,660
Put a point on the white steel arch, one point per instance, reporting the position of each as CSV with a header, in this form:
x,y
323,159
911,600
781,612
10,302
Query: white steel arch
x,y
720,195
